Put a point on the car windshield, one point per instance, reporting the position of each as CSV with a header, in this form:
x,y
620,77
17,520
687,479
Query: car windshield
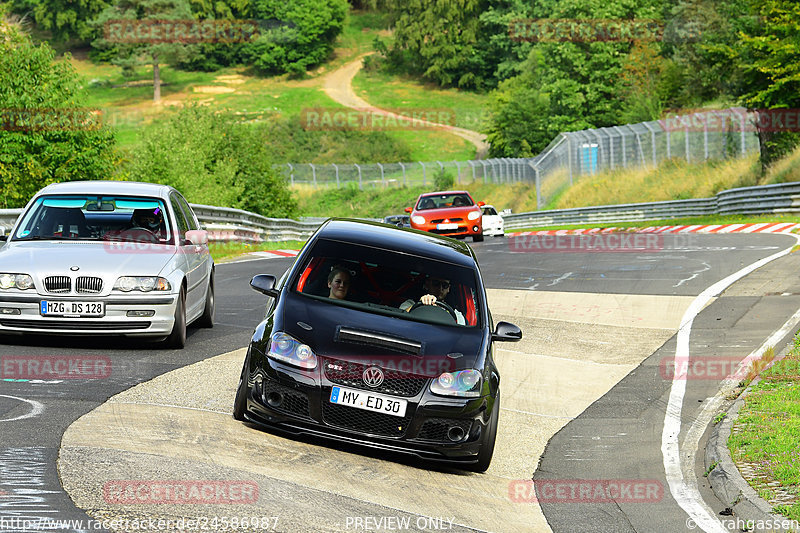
x,y
95,218
437,201
380,281
489,211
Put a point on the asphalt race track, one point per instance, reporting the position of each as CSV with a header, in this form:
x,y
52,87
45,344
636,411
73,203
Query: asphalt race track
x,y
586,396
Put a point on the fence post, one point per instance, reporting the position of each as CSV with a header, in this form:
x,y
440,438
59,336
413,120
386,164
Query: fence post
x,y
569,161
423,173
705,138
483,164
291,174
538,187
383,181
688,146
653,142
336,168
404,173
313,173
473,170
611,151
458,172
744,138
669,149
360,185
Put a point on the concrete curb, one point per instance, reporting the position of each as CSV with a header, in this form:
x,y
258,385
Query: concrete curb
x,y
725,479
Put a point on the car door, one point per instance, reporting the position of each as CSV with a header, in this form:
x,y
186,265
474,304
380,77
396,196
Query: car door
x,y
192,257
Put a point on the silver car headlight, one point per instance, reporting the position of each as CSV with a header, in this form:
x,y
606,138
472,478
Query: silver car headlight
x,y
417,219
474,215
15,281
287,349
141,283
463,383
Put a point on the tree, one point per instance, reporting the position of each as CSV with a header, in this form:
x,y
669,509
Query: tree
x,y
214,160
768,55
437,38
46,135
64,19
295,35
137,32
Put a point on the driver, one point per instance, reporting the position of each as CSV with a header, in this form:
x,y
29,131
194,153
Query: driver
x,y
149,219
435,289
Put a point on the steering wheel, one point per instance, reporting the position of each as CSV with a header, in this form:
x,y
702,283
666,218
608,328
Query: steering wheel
x,y
443,305
141,234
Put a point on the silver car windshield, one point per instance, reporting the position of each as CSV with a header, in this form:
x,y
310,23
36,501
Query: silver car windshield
x,y
95,218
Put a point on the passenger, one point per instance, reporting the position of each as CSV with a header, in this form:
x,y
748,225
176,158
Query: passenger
x,y
435,289
339,283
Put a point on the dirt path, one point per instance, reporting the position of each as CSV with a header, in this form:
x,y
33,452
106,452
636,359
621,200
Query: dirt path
x,y
339,86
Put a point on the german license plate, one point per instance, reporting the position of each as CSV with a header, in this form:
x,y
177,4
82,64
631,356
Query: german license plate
x,y
446,226
377,403
72,309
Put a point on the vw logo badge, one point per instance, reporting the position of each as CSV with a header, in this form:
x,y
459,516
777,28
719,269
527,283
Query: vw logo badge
x,y
373,376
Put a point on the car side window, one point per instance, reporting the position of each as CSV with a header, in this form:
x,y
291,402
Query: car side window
x,y
191,219
180,218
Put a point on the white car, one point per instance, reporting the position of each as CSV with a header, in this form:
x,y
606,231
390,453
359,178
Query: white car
x,y
107,258
492,222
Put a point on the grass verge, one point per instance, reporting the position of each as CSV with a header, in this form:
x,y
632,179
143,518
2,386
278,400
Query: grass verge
x,y
223,252
766,433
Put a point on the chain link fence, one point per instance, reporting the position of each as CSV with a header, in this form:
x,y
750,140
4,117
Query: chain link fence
x,y
691,137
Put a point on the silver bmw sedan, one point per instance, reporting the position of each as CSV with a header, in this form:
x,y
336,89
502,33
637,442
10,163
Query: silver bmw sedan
x,y
106,257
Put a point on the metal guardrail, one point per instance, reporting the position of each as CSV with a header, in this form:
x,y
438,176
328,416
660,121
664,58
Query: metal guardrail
x,y
613,213
229,224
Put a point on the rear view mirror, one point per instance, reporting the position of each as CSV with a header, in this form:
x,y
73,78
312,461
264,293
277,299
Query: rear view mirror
x,y
265,284
505,331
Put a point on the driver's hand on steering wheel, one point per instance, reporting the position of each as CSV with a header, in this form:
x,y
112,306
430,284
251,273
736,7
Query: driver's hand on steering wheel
x,y
428,299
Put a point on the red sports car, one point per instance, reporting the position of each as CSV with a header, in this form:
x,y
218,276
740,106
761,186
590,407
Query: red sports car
x,y
451,213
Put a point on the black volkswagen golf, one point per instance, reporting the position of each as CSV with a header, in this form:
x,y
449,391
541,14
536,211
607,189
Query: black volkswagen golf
x,y
379,336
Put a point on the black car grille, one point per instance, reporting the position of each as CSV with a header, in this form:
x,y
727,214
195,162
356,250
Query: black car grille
x,y
57,284
294,402
364,421
86,284
80,324
395,383
440,220
435,429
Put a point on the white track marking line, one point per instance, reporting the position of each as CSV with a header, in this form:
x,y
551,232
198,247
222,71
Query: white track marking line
x,y
36,409
681,482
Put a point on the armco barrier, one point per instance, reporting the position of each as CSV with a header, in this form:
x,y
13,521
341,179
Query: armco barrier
x,y
228,224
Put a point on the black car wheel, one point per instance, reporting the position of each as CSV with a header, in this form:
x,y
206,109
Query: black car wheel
x,y
487,446
206,320
477,238
177,339
240,401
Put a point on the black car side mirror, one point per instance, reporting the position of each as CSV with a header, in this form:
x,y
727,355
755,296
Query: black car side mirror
x,y
505,331
3,237
265,284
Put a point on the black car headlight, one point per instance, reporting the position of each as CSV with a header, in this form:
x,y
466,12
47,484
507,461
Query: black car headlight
x,y
15,281
463,383
287,349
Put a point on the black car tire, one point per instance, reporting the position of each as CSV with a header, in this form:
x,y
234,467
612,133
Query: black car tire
x,y
477,238
487,446
177,338
206,320
240,400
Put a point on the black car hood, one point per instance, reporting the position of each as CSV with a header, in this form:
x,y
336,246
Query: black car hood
x,y
358,336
